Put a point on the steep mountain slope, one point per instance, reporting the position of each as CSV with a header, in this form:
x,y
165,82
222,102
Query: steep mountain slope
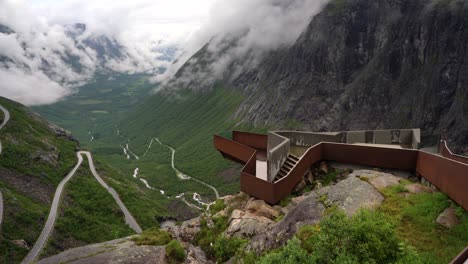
x,y
358,65
35,157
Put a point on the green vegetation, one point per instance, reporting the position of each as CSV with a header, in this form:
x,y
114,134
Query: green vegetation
x,y
145,204
218,206
153,236
89,215
367,237
32,154
175,252
187,120
23,219
214,243
292,253
182,119
104,100
330,177
225,248
208,235
36,139
415,217
401,230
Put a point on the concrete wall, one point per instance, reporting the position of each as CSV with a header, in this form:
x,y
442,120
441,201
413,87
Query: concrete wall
x,y
408,137
277,153
309,139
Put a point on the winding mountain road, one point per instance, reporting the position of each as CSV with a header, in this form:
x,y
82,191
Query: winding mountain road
x,y
183,176
6,118
129,219
42,240
46,231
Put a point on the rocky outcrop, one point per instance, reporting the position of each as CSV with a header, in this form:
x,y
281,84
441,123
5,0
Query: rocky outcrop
x,y
195,255
349,195
379,180
358,65
251,218
21,243
189,229
116,251
60,132
245,224
448,218
416,188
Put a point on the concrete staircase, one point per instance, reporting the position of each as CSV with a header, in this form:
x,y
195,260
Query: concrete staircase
x,y
287,167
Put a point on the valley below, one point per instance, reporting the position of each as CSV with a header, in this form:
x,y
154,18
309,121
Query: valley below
x,y
135,152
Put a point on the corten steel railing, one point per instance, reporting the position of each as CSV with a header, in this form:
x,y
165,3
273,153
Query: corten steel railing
x,y
253,140
461,258
246,155
448,175
445,151
448,172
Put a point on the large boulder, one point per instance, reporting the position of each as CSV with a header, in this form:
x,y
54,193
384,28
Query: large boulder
x,y
246,225
349,195
195,255
122,250
260,208
416,188
309,211
448,218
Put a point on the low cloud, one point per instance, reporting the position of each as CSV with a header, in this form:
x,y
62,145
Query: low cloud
x,y
29,88
41,62
238,34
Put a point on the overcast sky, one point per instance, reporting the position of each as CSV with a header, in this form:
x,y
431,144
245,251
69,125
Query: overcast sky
x,y
173,20
140,26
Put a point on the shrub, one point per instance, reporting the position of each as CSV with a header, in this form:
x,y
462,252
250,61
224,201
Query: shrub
x,y
225,248
207,236
292,253
175,252
217,206
154,237
367,237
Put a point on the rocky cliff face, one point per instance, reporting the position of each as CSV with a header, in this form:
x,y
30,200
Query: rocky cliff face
x,y
363,65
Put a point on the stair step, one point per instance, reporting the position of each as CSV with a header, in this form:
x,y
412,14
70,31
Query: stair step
x,y
290,163
285,170
293,157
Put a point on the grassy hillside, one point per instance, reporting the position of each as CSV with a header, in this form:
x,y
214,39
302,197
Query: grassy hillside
x,y
187,120
102,101
88,215
34,160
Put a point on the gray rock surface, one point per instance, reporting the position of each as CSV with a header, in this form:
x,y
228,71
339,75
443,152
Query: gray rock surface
x,y
379,180
448,218
349,195
245,224
116,251
189,229
417,188
196,256
358,65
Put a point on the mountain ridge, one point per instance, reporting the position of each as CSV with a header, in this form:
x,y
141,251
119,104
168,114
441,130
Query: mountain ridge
x,y
358,65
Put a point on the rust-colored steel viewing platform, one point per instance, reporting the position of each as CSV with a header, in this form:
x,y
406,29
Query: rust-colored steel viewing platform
x,y
446,171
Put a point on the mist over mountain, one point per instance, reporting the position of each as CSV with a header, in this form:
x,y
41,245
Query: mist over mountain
x,y
53,48
355,65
